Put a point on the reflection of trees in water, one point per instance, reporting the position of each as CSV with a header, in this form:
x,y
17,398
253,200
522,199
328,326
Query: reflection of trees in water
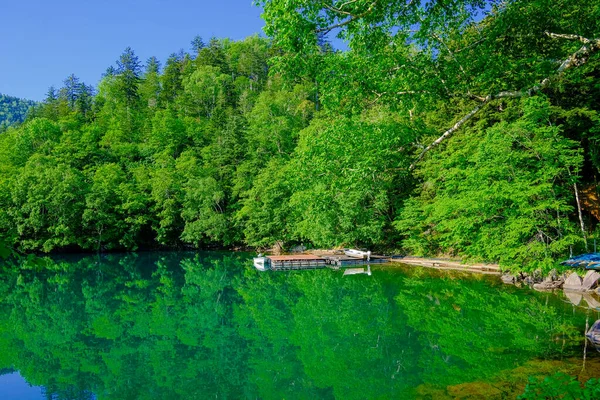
x,y
125,331
186,327
470,331
338,337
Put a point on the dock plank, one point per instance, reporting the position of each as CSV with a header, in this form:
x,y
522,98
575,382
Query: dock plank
x,y
295,257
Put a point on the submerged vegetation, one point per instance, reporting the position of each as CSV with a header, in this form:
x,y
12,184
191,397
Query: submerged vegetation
x,y
465,128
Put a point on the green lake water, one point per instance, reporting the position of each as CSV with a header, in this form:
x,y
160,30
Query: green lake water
x,y
208,325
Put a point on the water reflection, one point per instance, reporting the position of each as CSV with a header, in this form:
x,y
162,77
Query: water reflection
x,y
189,326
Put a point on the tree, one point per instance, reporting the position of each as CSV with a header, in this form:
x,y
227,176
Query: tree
x,y
71,90
197,44
128,72
214,55
46,204
346,180
13,110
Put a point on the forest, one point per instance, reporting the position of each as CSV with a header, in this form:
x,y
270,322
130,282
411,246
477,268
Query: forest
x,y
13,110
462,128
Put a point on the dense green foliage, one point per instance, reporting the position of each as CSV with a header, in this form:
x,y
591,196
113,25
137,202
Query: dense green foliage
x,y
179,326
287,140
491,192
13,110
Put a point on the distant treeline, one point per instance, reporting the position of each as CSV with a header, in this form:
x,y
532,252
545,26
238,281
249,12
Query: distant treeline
x,y
446,129
13,110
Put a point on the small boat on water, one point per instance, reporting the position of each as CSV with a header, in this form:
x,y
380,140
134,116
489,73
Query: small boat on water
x,y
261,263
357,253
587,261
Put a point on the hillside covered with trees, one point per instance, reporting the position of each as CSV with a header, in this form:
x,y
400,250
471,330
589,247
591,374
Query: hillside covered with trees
x,y
464,128
13,110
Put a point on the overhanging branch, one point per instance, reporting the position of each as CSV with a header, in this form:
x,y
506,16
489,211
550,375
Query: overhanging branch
x,y
349,20
578,58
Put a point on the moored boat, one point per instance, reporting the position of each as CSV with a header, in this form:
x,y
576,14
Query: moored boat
x,y
357,253
261,263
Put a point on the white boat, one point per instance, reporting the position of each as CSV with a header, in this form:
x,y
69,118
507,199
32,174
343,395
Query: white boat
x,y
358,253
261,263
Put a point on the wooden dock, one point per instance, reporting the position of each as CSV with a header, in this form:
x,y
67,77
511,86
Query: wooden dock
x,y
336,261
297,261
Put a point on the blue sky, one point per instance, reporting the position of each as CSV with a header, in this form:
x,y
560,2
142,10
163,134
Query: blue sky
x,y
42,41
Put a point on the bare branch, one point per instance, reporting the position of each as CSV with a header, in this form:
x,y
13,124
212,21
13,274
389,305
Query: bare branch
x,y
475,43
567,37
337,10
346,3
439,39
349,20
413,92
449,132
475,97
378,96
578,58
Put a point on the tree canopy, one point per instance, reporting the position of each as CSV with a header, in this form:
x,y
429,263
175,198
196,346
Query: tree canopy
x,y
13,110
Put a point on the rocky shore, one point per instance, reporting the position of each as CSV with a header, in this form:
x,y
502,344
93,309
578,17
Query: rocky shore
x,y
574,286
571,281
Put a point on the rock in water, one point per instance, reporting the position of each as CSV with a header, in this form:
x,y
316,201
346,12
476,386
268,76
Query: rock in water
x,y
529,280
548,284
594,333
590,281
573,282
591,301
574,298
552,281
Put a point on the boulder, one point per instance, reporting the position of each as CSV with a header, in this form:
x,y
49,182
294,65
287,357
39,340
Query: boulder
x,y
590,281
509,279
298,249
548,284
573,297
594,333
522,276
551,281
591,301
573,282
529,280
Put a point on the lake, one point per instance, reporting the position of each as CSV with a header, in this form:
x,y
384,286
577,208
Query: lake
x,y
198,325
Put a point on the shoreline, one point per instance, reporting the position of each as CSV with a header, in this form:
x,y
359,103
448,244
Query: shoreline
x,y
436,263
446,264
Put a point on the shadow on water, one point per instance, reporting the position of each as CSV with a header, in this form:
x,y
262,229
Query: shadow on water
x,y
189,325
